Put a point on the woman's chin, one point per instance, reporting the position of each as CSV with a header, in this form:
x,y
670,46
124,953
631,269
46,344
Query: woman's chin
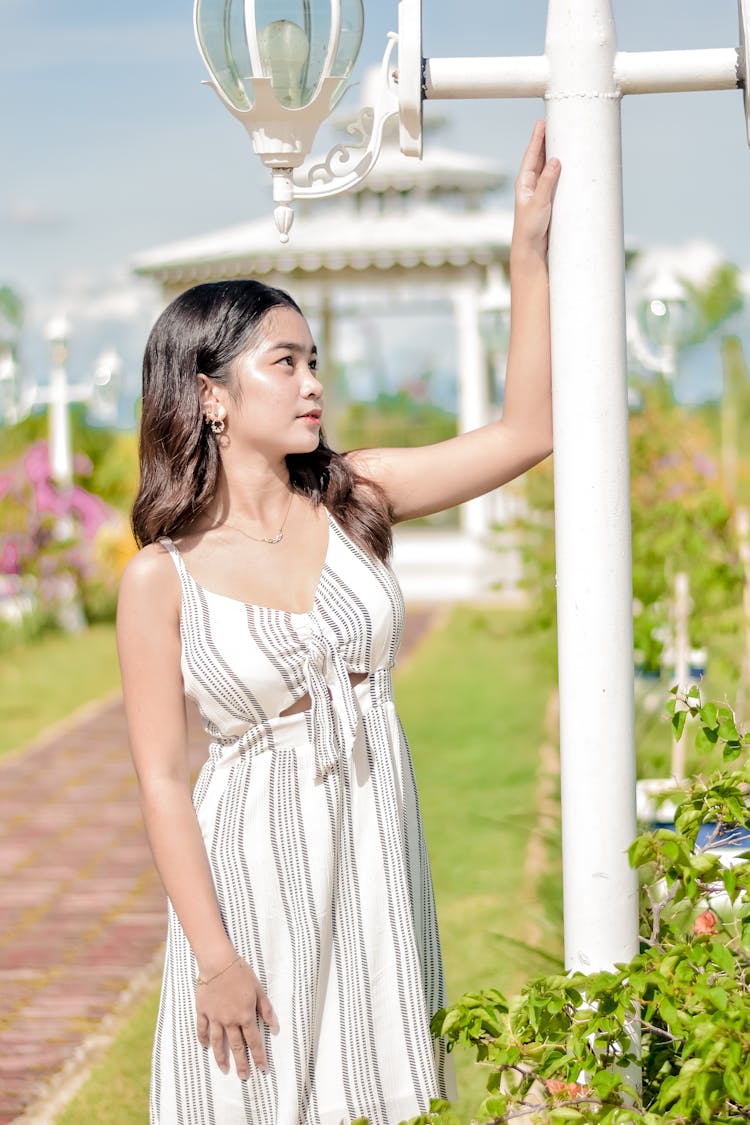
x,y
306,443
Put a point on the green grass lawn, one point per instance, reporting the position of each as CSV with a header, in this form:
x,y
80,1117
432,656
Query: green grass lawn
x,y
472,698
44,682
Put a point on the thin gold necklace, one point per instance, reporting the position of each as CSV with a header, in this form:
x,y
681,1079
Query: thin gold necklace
x,y
267,538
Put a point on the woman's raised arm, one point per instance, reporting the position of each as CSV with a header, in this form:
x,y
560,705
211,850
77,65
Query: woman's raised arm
x,y
430,478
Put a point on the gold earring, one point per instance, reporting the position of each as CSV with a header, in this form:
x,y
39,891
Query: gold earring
x,y
216,424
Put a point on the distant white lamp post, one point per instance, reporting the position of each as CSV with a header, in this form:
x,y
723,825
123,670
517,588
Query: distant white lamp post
x,y
582,78
99,392
662,323
57,397
10,389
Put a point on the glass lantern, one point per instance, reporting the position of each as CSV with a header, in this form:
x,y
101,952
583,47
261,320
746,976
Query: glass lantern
x,y
296,44
105,389
664,312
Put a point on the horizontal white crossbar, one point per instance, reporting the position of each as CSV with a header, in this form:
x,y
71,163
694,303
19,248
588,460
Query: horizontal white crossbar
x,y
510,77
635,72
663,72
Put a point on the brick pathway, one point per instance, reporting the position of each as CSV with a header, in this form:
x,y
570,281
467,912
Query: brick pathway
x,y
81,907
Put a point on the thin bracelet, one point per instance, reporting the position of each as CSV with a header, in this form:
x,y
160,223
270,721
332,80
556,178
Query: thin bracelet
x,y
200,980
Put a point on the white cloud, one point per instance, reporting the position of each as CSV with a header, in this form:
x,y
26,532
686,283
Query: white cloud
x,y
89,297
27,215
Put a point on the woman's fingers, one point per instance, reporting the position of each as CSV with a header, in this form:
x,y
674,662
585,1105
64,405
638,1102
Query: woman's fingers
x,y
266,1010
548,180
255,1044
533,160
238,1048
201,1029
217,1040
228,1014
537,175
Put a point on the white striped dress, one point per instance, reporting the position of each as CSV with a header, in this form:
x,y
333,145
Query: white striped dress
x,y
313,832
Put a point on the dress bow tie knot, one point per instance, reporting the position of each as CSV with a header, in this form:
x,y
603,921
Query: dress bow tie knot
x,y
335,713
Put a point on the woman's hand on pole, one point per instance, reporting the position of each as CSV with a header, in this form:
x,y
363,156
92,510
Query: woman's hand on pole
x,y
535,191
228,1008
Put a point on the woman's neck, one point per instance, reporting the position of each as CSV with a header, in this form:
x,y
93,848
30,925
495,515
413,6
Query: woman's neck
x,y
255,494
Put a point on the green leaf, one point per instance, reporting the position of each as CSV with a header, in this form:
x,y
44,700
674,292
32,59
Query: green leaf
x,y
719,998
706,739
493,1107
727,725
678,723
708,714
722,957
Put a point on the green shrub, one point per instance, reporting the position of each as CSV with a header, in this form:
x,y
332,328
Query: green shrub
x,y
566,1048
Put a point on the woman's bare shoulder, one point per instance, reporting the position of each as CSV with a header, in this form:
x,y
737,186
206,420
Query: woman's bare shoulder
x,y
150,577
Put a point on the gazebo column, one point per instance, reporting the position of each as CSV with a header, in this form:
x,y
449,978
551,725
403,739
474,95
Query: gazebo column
x,y
473,390
328,349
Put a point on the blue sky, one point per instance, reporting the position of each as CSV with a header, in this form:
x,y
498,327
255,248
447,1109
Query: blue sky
x,y
111,145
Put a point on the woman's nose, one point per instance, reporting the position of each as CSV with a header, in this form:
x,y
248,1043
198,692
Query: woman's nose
x,y
312,385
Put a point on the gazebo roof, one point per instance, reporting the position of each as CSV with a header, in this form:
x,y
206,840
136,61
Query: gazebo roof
x,y
425,234
440,169
407,213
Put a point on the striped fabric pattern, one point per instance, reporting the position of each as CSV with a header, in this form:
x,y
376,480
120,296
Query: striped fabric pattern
x,y
313,832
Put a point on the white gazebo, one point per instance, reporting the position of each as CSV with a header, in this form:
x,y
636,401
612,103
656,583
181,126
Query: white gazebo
x,y
415,233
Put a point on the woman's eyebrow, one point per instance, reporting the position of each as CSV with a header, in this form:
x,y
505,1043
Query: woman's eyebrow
x,y
293,347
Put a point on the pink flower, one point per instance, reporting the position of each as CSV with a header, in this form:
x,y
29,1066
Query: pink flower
x,y
10,557
82,465
706,923
36,462
47,499
571,1090
91,511
668,461
704,465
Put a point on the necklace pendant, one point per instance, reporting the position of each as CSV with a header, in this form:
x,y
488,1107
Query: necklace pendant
x,y
275,538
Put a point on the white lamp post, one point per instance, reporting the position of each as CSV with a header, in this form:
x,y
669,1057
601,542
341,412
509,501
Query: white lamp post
x,y
661,324
60,446
582,78
99,392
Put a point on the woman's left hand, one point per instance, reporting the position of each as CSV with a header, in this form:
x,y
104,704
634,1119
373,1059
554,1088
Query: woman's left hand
x,y
535,190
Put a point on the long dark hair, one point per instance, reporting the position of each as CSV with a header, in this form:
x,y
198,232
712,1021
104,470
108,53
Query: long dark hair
x,y
204,330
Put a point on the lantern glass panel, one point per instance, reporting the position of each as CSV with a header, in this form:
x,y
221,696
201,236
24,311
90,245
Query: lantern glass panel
x,y
288,41
293,44
665,320
350,40
220,26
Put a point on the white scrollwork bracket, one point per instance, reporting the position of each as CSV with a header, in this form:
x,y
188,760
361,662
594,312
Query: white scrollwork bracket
x,y
337,172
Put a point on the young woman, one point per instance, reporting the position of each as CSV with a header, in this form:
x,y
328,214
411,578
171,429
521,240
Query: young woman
x,y
303,961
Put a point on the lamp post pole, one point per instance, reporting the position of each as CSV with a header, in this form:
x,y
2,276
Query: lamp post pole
x,y
592,489
60,444
582,77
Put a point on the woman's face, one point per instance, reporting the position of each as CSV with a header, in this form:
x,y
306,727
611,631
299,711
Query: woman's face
x,y
278,398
